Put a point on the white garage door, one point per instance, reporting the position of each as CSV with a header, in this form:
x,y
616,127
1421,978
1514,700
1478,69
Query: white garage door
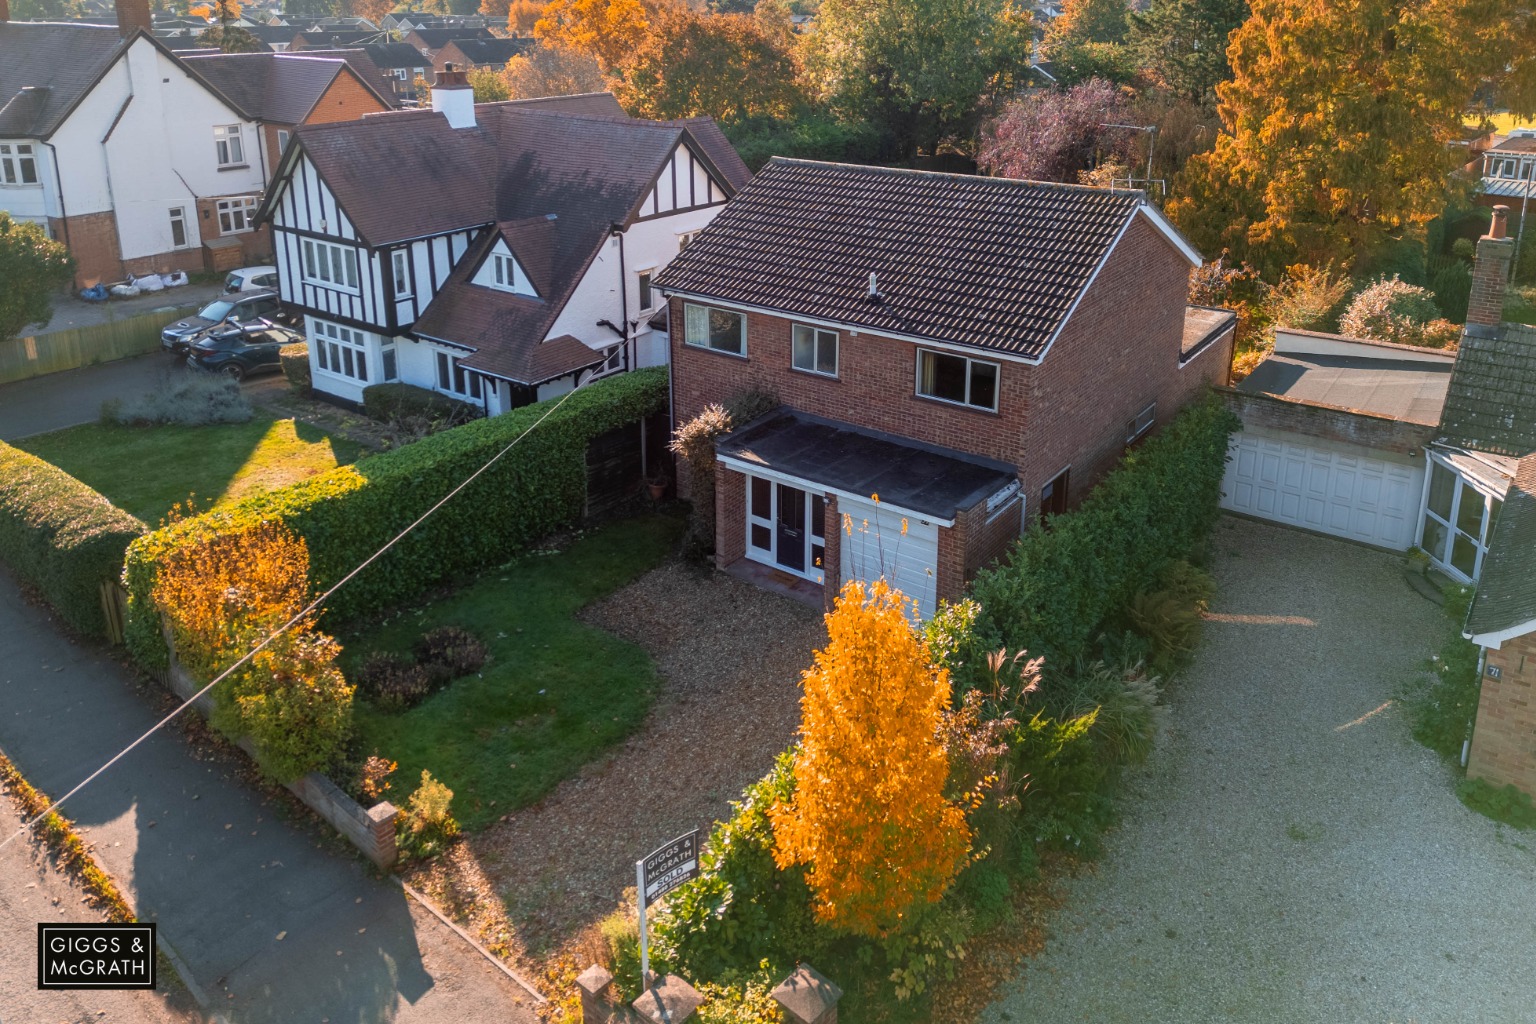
x,y
1331,489
877,548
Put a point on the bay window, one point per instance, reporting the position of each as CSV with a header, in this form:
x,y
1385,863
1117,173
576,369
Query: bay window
x,y
341,350
333,266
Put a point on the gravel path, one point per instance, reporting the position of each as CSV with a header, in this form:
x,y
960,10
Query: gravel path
x,y
730,657
1290,854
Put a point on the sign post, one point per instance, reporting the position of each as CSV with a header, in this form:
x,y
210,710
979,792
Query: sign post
x,y
655,876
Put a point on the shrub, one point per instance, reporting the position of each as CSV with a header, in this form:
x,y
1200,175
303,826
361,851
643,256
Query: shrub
x,y
390,403
394,684
426,826
1307,298
694,443
1391,310
221,598
742,908
349,513
807,135
621,933
58,535
1452,285
1068,801
191,399
740,1002
1057,588
1124,702
295,360
458,652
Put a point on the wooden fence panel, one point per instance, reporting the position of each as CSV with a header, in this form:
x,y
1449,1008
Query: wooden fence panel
x,y
21,358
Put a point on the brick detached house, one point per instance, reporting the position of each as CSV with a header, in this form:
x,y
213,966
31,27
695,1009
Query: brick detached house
x,y
492,53
975,351
499,253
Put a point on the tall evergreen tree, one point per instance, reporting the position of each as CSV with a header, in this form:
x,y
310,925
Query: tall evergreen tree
x,y
1183,43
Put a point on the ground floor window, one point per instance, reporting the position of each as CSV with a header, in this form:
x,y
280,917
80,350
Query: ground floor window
x,y
1459,515
340,350
236,214
455,379
786,528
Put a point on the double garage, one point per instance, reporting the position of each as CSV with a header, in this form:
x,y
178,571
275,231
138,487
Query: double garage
x,y
1334,437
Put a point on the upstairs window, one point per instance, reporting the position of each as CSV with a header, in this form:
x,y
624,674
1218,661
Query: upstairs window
x,y
814,350
957,379
508,276
718,329
333,266
400,264
230,148
646,298
282,142
18,164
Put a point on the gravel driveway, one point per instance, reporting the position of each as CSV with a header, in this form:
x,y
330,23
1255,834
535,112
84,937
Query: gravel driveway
x,y
1289,853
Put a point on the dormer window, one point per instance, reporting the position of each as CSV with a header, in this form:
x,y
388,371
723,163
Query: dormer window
x,y
503,273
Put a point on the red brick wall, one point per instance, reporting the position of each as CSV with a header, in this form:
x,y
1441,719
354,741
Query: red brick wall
x,y
1359,428
1489,272
1119,352
92,240
1504,741
730,516
832,534
346,100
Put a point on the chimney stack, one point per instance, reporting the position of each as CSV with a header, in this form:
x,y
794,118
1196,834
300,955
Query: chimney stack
x,y
454,97
1490,273
133,15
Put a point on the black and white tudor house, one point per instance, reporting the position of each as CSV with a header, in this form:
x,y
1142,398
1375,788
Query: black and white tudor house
x,y
501,253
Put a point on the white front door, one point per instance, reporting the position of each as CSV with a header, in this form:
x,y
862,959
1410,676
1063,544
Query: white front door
x,y
876,546
784,528
1328,488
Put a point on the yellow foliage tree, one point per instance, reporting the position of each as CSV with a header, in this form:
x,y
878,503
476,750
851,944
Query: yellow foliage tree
x,y
605,30
869,818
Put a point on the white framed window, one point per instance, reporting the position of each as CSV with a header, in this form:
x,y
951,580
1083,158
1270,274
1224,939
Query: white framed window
x,y
341,350
334,266
720,329
18,164
400,266
453,378
235,214
1459,517
179,236
390,366
685,239
814,350
957,379
508,276
282,141
1141,424
647,297
229,146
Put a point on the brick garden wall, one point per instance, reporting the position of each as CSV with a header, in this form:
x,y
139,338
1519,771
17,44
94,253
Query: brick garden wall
x,y
1357,428
1504,741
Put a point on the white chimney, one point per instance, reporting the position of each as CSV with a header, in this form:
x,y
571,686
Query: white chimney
x,y
454,97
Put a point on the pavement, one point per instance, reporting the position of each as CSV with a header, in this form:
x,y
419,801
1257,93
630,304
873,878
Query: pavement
x,y
31,890
1289,853
70,311
270,925
58,400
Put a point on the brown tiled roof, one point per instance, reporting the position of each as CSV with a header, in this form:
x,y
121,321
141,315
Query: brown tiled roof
x,y
332,38
989,262
551,182
360,59
277,87
1506,591
1490,405
45,69
600,104
1516,144
393,55
491,49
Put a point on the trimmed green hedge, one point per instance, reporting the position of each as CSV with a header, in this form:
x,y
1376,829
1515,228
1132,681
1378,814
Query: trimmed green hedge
x,y
349,513
383,401
61,537
295,362
1058,587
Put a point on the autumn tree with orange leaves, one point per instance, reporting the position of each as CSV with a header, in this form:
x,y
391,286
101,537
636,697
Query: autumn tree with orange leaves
x,y
869,819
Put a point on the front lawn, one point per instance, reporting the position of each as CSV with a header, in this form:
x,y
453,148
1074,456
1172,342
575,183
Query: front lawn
x,y
554,693
146,470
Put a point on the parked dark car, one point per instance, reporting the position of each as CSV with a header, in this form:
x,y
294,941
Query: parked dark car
x,y
226,311
239,351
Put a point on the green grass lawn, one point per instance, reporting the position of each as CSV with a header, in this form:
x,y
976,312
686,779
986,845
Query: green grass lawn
x,y
146,470
555,692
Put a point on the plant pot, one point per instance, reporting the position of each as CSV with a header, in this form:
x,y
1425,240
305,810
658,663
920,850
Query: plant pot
x,y
658,488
